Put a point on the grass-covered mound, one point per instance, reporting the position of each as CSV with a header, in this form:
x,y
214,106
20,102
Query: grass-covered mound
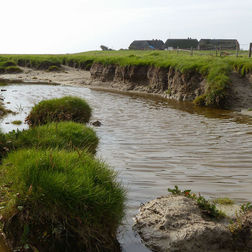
x,y
9,66
40,62
68,108
60,201
60,135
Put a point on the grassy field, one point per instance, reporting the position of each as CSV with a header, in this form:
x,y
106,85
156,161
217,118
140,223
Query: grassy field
x,y
215,69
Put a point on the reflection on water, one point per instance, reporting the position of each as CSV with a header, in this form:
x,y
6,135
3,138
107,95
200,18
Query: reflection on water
x,y
155,144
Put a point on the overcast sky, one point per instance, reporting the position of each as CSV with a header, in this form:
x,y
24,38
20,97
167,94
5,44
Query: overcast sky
x,y
67,26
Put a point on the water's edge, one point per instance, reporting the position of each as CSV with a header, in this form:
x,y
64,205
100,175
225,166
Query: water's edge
x,y
155,144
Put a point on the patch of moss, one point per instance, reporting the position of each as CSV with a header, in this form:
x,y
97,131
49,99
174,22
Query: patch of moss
x,y
17,122
223,201
53,69
200,100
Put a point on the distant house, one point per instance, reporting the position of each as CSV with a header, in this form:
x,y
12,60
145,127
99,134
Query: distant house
x,y
154,44
181,43
225,44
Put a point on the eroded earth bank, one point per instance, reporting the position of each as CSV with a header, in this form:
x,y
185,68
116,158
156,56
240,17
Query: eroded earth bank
x,y
165,82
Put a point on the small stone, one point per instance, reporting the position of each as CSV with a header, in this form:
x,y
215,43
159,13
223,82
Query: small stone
x,y
97,123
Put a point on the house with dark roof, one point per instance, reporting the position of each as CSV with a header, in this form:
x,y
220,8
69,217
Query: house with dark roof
x,y
181,43
225,44
154,44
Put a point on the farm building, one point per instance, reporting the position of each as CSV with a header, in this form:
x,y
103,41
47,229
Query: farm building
x,y
211,44
154,44
181,43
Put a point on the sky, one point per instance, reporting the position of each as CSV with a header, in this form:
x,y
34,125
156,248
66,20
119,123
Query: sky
x,y
70,26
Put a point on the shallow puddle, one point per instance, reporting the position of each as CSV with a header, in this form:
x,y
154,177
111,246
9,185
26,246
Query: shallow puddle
x,y
156,144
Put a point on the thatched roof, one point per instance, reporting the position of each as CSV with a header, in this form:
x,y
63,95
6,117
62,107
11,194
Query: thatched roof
x,y
154,44
182,43
210,44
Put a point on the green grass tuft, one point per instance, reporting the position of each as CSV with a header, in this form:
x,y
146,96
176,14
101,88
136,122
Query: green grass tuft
x,y
76,197
223,201
9,66
62,109
53,69
4,145
200,100
62,135
13,69
17,122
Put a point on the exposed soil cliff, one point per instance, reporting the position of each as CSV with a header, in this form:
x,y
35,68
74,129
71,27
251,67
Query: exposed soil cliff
x,y
166,81
170,83
240,92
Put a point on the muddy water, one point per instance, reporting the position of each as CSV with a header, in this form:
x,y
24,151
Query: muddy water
x,y
156,144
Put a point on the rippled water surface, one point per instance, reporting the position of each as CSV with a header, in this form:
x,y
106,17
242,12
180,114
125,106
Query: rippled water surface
x,y
156,144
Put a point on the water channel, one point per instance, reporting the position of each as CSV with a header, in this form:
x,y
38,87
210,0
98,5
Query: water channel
x,y
155,144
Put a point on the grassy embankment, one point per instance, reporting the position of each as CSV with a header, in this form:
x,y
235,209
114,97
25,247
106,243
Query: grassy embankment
x,y
55,195
216,70
8,66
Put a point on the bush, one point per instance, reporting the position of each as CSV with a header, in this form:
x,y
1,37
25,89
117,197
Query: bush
x,y
62,109
60,201
62,135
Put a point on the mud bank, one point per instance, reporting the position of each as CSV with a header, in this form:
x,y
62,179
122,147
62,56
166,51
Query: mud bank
x,y
171,83
176,223
164,82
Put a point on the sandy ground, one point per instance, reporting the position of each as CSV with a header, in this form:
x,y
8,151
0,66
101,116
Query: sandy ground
x,y
240,92
69,76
